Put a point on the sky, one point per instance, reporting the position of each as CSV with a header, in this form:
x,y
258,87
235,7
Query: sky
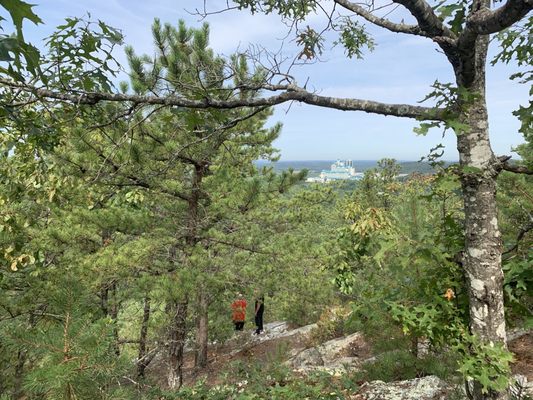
x,y
401,69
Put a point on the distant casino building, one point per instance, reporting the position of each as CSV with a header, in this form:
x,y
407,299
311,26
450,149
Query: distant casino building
x,y
341,170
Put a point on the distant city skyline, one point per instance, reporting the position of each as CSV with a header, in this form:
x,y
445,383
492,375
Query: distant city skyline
x,y
400,70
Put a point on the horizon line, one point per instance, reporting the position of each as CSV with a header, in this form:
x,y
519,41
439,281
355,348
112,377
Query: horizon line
x,y
348,159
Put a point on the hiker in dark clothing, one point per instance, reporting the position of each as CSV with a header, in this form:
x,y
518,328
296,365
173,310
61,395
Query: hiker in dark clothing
x,y
259,310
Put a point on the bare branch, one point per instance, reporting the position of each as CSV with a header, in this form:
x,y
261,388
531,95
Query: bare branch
x,y
128,341
382,22
289,92
431,25
518,169
519,237
239,246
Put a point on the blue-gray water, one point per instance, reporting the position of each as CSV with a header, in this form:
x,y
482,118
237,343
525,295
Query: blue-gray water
x,y
315,166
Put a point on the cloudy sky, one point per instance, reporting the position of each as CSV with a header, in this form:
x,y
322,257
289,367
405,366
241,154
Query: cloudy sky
x,y
399,70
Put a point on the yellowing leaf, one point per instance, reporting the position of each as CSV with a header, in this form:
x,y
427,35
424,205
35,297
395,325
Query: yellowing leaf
x,y
449,295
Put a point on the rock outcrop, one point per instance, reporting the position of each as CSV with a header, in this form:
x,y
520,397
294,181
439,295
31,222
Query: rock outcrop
x,y
426,388
334,356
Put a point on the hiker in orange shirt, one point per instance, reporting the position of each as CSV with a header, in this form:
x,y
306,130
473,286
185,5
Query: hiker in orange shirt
x,y
239,312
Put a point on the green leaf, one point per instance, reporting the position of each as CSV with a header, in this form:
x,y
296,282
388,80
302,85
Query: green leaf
x,y
20,10
457,126
446,11
424,128
7,45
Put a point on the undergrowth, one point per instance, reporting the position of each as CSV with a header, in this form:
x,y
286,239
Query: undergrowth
x,y
269,380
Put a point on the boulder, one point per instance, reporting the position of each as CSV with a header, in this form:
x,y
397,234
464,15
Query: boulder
x,y
521,387
335,349
334,355
308,358
272,330
426,388
303,330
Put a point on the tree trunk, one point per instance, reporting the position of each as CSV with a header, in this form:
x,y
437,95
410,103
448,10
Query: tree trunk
x,y
110,307
104,295
142,358
113,313
176,343
18,391
200,360
482,255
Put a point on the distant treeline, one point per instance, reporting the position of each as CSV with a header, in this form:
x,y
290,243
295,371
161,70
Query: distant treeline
x,y
316,166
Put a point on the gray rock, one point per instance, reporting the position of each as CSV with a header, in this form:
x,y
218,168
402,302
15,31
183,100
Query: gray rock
x,y
307,358
334,349
521,387
514,334
333,355
304,330
427,388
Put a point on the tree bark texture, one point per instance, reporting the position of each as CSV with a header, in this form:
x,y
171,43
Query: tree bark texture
x,y
104,297
142,358
113,313
18,390
176,343
200,360
178,310
483,247
110,308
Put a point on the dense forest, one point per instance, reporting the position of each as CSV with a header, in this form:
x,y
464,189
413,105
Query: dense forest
x,y
133,214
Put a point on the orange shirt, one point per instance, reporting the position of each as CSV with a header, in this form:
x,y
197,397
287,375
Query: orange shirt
x,y
239,310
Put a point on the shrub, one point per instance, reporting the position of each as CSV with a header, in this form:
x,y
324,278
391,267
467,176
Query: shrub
x,y
402,365
331,325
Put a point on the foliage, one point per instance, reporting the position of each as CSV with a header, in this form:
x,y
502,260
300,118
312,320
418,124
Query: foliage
x,y
13,48
517,286
80,56
410,272
99,220
514,197
353,37
329,326
395,365
270,381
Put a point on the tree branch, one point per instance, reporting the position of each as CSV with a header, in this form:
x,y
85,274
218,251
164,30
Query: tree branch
x,y
518,169
290,93
237,246
431,25
382,22
485,21
519,237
